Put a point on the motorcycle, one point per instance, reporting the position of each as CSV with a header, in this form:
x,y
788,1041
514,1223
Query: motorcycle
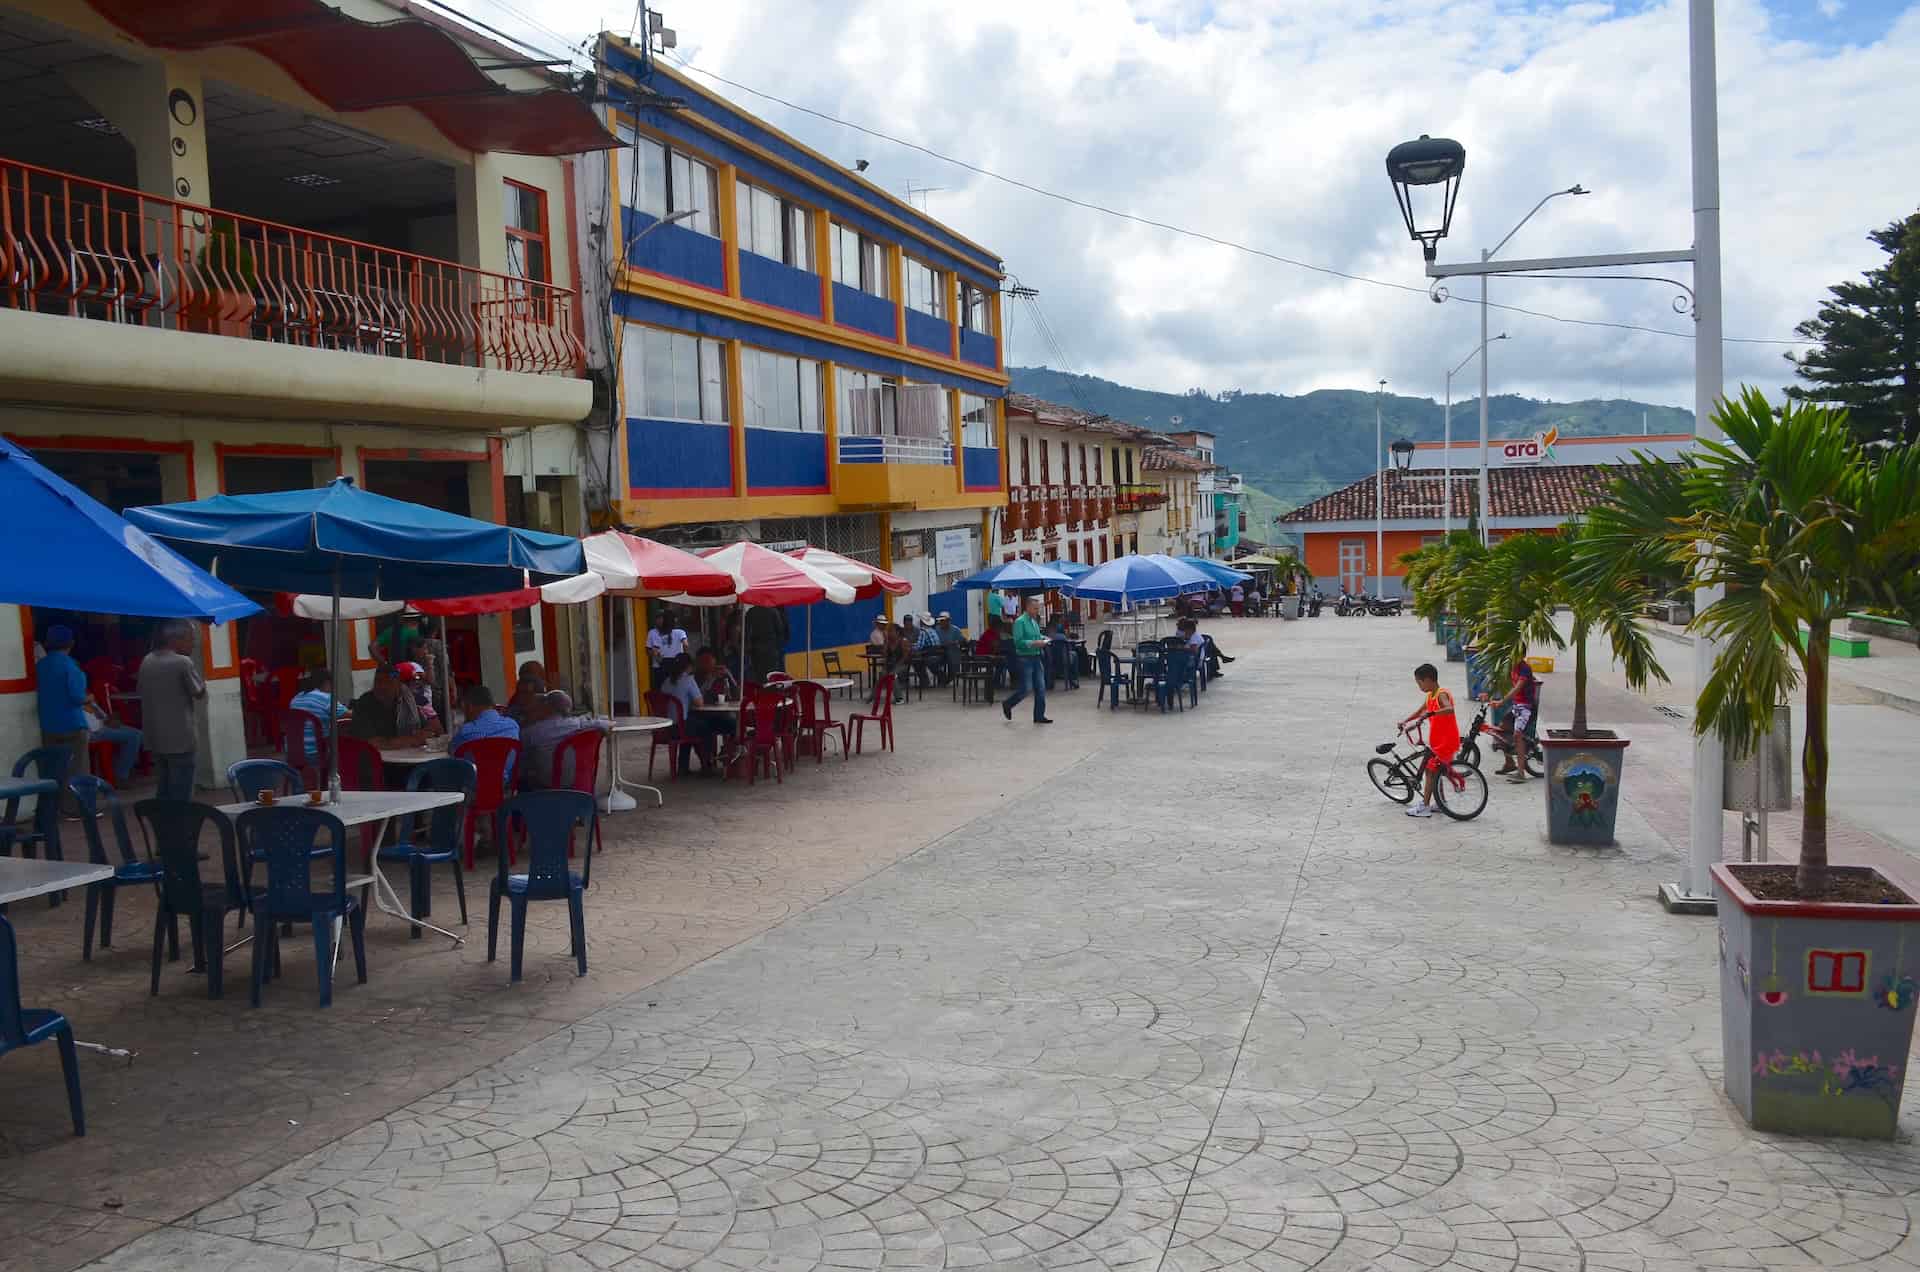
x,y
1354,603
1385,608
1315,599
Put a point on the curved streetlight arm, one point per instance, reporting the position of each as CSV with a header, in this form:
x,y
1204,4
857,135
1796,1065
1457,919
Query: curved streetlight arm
x,y
1476,353
1575,188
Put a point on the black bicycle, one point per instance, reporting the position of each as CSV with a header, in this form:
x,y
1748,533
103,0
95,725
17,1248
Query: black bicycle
x,y
1470,745
1460,791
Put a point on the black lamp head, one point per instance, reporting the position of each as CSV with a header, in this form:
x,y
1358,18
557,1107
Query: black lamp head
x,y
1424,162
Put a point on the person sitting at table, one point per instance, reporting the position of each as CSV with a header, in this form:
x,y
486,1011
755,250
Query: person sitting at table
x,y
531,684
899,654
484,720
953,642
1238,599
415,685
929,663
62,689
550,721
702,726
877,638
386,714
1202,646
103,726
715,681
1063,660
317,700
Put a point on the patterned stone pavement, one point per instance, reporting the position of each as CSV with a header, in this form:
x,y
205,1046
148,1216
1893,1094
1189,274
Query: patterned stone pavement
x,y
1135,992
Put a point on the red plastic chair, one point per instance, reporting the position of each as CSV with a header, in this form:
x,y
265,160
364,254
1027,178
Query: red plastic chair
x,y
100,759
256,712
881,713
667,707
778,678
492,757
362,769
760,739
816,721
583,749
293,746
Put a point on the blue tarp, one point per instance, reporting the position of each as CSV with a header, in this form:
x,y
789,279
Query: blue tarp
x,y
1015,576
65,550
363,544
1126,581
1222,575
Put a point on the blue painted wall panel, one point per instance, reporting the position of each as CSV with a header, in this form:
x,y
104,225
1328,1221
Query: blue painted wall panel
x,y
924,331
670,457
977,348
855,308
832,625
676,251
954,603
782,461
980,466
662,314
770,282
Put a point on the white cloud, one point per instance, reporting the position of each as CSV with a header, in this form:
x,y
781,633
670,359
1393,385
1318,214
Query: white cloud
x,y
1266,124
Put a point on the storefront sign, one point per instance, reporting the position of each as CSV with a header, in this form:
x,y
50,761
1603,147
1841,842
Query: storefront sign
x,y
1537,449
953,551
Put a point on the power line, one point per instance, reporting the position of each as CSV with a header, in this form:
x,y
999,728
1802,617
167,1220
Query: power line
x,y
1201,235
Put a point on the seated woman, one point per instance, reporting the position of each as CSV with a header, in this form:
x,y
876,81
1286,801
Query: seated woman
x,y
703,727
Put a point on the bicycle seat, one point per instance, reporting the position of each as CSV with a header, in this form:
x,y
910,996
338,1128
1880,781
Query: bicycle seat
x,y
1385,748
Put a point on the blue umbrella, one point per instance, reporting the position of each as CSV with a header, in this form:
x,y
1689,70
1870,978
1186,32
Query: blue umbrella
x,y
1126,581
1016,576
90,559
1222,575
1072,569
344,541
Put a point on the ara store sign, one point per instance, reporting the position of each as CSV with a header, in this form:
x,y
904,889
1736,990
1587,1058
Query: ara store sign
x,y
1537,449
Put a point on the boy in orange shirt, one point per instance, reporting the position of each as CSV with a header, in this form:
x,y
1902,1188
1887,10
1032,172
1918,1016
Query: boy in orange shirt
x,y
1443,732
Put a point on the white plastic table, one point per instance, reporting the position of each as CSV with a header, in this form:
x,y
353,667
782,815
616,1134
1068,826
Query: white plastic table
x,y
617,800
408,756
23,877
360,808
832,684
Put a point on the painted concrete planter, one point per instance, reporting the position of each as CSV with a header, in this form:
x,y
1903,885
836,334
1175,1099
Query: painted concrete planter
x,y
1816,1009
1583,786
1456,649
1476,671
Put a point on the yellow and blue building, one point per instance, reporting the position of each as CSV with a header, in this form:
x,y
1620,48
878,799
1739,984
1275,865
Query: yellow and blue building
x,y
791,352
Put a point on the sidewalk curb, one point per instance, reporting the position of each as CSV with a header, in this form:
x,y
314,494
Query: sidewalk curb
x,y
1881,697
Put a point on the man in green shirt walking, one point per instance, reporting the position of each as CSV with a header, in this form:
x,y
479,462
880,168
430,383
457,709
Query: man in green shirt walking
x,y
1029,649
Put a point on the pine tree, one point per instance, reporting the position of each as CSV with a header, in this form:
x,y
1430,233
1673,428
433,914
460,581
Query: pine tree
x,y
1867,343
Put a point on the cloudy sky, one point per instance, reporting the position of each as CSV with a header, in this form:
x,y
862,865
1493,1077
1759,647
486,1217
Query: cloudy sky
x,y
1264,122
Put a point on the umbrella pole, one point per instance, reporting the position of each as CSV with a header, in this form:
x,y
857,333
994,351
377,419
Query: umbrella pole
x,y
446,680
808,675
743,647
333,696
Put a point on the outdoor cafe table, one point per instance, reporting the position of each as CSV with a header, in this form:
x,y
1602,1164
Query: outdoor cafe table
x,y
617,800
46,812
377,808
23,877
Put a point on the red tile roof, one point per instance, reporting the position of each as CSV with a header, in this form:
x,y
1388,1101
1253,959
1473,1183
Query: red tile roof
x,y
1158,458
1550,490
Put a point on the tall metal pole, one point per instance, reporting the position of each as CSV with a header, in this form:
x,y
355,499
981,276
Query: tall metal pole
x,y
1446,463
1379,499
1708,751
1484,354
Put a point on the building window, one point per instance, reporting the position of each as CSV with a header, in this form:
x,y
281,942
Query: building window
x,y
1026,467
1066,462
924,412
869,404
670,375
976,421
1129,468
526,222
974,313
926,288
858,261
1083,463
776,228
1099,478
779,392
657,180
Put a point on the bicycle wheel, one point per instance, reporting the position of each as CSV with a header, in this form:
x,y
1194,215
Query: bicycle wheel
x,y
1391,780
1536,761
1461,791
1470,752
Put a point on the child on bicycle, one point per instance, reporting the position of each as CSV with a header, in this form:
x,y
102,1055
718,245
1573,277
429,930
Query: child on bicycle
x,y
1524,698
1443,733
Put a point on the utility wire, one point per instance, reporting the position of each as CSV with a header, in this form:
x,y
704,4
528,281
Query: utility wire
x,y
1201,235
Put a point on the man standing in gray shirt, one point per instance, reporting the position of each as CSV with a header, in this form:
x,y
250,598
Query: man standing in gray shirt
x,y
170,683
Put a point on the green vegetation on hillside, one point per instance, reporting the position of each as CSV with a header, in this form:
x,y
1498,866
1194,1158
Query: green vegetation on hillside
x,y
1294,449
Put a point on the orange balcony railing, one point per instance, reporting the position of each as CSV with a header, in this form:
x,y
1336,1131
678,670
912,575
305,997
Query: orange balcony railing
x,y
91,250
1139,498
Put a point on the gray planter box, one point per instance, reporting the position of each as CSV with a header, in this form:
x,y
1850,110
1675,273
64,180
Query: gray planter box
x,y
1583,787
1816,1009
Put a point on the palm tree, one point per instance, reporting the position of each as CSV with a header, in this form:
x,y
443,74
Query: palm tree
x,y
1433,569
1528,578
1799,524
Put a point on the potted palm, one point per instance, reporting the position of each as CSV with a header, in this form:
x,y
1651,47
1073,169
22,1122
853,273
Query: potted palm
x,y
1529,579
1417,570
1798,523
1452,588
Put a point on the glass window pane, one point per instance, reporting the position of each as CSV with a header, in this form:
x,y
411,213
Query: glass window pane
x,y
787,389
536,260
633,374
713,383
809,396
647,188
799,239
659,399
743,215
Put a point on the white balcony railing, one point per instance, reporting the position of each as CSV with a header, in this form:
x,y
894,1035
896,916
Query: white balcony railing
x,y
895,450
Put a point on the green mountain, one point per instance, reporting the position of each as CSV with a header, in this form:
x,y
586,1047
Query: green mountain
x,y
1293,449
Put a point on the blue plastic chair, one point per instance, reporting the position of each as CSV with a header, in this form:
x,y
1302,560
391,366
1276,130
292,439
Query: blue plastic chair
x,y
49,764
174,828
1114,679
550,818
25,1026
1149,673
286,839
100,806
443,834
247,778
1180,678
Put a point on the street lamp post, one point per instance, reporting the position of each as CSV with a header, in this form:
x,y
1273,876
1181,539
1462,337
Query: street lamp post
x,y
1430,164
1446,482
1379,497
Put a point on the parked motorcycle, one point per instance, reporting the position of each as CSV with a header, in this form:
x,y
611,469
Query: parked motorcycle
x,y
1385,608
1350,603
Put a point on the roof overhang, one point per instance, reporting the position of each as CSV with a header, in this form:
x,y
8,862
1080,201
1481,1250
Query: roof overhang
x,y
353,65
